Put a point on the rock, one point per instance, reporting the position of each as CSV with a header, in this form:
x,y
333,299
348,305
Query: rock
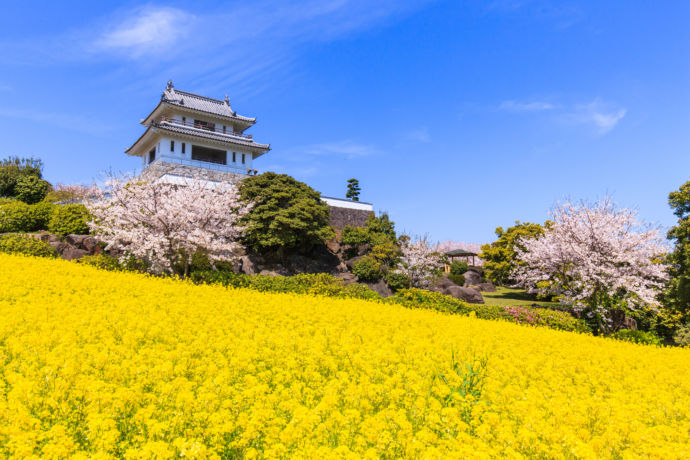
x,y
363,249
76,240
333,246
341,268
464,293
47,237
59,246
629,323
91,244
248,265
486,287
72,253
472,278
381,288
350,262
347,277
275,270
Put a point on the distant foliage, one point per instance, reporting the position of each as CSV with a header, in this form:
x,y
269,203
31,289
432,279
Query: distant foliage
x,y
457,279
635,336
17,216
26,245
367,269
286,215
500,257
70,194
677,298
313,284
597,258
102,261
166,224
13,169
69,219
31,189
458,267
355,236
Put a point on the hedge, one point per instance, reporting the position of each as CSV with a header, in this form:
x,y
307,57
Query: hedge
x,y
23,244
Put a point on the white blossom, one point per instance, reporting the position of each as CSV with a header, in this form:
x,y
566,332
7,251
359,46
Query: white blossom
x,y
419,260
595,249
166,223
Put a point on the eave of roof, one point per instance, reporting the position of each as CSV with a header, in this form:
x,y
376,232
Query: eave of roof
x,y
460,252
247,122
191,133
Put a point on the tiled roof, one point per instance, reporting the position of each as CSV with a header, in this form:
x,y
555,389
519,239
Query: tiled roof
x,y
209,135
202,103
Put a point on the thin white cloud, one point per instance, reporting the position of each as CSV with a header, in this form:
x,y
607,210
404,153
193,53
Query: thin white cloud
x,y
420,135
532,106
347,149
602,116
145,31
61,120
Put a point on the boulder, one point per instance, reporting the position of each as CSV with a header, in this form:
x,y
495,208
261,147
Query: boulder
x,y
47,237
472,278
347,277
363,249
464,293
443,283
76,240
72,253
275,270
486,287
381,288
350,262
333,246
248,265
91,244
59,246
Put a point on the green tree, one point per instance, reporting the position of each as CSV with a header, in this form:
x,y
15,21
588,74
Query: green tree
x,y
500,256
380,228
676,310
31,189
353,189
287,215
14,168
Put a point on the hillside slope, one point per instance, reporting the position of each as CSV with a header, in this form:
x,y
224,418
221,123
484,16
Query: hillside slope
x,y
135,366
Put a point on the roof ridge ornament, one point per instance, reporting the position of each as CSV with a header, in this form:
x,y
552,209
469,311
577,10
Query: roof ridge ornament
x,y
169,86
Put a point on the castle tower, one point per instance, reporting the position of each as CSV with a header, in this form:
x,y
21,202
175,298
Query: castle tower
x,y
190,135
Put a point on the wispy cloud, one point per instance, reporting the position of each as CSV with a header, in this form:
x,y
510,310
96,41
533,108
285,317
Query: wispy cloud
x,y
344,149
420,135
64,121
604,117
146,31
523,106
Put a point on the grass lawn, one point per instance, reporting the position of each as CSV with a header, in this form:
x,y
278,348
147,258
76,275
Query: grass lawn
x,y
511,297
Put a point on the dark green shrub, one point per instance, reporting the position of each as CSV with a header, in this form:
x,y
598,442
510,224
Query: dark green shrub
x,y
397,281
12,169
367,269
312,284
42,213
355,236
102,261
457,279
682,336
458,267
23,244
69,219
636,336
419,298
31,189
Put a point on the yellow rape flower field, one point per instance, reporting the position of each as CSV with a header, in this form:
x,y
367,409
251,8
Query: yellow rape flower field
x,y
97,364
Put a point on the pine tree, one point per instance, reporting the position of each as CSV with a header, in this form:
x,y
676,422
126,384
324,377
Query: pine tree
x,y
353,189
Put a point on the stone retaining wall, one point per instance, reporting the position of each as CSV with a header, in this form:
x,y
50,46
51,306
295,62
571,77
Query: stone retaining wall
x,y
340,217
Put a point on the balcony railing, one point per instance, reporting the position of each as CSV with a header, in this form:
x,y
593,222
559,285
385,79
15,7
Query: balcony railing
x,y
206,126
206,165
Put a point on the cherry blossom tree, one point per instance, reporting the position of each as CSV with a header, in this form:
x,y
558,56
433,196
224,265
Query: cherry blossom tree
x,y
419,261
597,258
165,223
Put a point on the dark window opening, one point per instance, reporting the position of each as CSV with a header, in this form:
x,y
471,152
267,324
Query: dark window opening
x,y
184,120
183,147
172,146
223,129
243,158
152,156
209,155
234,157
201,124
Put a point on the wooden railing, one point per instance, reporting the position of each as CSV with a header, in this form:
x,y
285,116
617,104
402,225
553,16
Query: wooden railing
x,y
206,126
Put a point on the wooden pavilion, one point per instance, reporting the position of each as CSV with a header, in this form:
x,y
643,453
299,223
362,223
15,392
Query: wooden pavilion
x,y
460,254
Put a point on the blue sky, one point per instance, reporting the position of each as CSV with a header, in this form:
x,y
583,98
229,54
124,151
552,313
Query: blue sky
x,y
456,117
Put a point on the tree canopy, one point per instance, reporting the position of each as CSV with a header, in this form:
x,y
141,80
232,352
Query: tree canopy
x,y
286,214
500,259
